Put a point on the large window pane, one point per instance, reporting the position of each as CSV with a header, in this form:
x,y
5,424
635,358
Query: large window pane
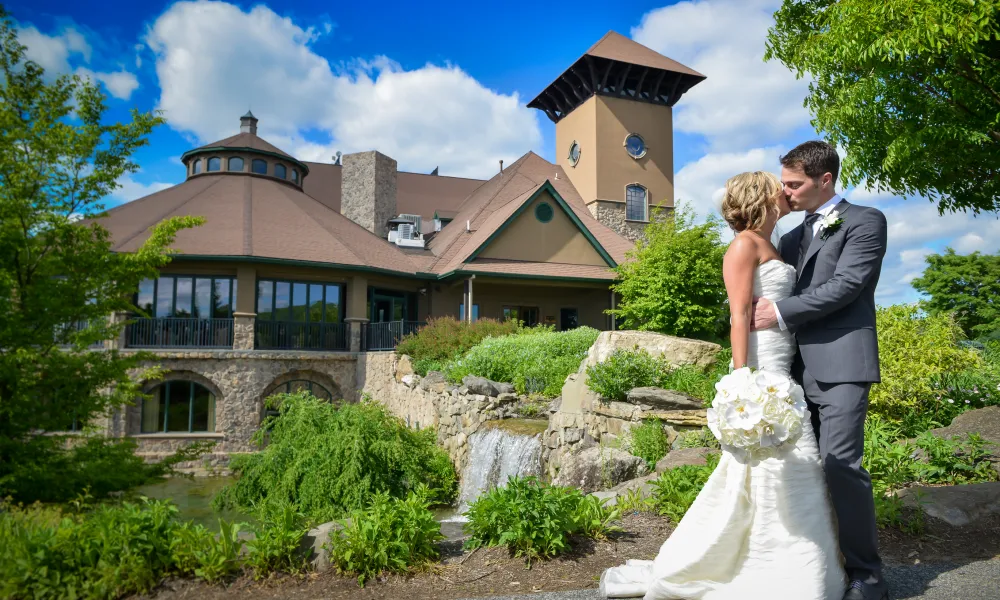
x,y
299,304
152,412
635,203
265,300
178,405
316,303
279,171
185,293
203,411
236,164
203,298
165,297
258,166
221,307
282,300
214,164
147,288
333,304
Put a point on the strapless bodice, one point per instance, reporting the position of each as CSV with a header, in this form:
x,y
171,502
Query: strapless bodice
x,y
772,348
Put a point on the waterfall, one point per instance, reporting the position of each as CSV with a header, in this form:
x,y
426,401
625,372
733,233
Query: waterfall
x,y
494,456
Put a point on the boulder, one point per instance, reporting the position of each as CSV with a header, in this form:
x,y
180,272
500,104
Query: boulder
x,y
485,387
956,505
984,421
504,388
676,350
313,545
434,382
661,399
684,456
599,468
554,405
680,418
404,367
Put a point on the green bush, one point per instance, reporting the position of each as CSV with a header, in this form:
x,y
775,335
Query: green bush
x,y
535,361
446,338
202,553
534,519
326,460
277,536
387,535
649,442
675,490
627,369
915,352
702,438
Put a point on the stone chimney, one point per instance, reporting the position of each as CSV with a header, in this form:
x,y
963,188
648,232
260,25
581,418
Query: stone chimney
x,y
248,123
368,190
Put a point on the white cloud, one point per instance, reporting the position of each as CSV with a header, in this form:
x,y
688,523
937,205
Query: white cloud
x,y
119,84
130,189
744,101
864,195
214,61
701,183
52,53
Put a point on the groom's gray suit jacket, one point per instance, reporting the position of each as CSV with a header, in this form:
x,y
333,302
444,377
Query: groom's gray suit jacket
x,y
832,310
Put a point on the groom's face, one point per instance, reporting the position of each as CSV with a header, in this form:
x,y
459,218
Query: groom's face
x,y
803,192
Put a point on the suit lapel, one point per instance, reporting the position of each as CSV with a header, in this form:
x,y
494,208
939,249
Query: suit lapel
x,y
790,251
819,239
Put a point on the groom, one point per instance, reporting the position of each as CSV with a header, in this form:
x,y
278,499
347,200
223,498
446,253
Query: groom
x,y
837,253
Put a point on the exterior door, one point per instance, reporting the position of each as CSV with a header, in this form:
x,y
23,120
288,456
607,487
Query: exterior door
x,y
569,318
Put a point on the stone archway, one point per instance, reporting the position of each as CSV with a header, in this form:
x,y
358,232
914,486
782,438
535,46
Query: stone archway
x,y
133,413
320,385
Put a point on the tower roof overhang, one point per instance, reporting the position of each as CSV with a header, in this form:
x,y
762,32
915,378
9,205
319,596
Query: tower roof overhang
x,y
617,67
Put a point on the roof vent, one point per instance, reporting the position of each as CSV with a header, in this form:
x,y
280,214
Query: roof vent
x,y
248,123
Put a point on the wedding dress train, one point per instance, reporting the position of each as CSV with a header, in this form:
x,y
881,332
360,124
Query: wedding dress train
x,y
762,530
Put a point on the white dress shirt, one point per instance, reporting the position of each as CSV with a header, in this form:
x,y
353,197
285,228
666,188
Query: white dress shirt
x,y
823,210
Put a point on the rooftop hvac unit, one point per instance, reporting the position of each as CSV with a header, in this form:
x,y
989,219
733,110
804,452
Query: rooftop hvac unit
x,y
415,219
406,231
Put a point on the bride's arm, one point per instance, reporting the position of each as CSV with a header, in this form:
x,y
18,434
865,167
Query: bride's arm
x,y
737,271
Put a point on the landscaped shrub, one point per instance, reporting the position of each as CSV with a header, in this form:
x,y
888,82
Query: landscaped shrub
x,y
535,361
446,338
649,442
534,519
326,460
277,536
628,369
675,490
212,556
702,438
915,351
389,534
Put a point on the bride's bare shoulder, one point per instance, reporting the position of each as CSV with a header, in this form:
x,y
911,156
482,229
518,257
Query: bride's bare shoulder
x,y
744,248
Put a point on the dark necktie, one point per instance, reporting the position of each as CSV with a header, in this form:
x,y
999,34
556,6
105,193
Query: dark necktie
x,y
807,235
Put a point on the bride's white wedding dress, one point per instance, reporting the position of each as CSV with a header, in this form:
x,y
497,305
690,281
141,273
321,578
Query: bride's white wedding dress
x,y
761,530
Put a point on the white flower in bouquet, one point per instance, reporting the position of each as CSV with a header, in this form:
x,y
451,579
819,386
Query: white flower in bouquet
x,y
744,414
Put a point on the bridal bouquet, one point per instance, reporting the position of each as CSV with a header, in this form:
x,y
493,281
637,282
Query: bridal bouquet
x,y
755,413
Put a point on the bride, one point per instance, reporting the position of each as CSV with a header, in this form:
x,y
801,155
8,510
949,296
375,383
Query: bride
x,y
757,529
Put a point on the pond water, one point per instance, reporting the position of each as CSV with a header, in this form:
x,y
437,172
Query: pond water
x,y
193,497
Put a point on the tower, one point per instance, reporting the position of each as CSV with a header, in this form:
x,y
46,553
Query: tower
x,y
614,129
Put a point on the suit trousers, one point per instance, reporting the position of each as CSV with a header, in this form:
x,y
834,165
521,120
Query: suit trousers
x,y
838,412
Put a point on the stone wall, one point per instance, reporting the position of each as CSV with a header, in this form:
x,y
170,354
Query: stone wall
x,y
612,215
368,190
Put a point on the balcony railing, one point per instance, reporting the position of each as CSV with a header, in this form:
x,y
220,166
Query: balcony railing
x,y
386,335
290,335
80,326
173,332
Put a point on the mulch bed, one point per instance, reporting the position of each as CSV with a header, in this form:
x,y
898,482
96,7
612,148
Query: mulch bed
x,y
488,572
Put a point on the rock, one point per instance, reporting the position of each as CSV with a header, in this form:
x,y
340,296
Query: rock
x,y
504,388
313,542
599,468
956,505
984,421
404,367
408,380
661,399
434,382
554,405
572,434
506,398
485,387
677,351
618,410
684,456
680,418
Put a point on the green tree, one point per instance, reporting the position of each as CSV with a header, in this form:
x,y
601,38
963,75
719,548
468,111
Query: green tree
x,y
672,282
59,279
967,286
909,88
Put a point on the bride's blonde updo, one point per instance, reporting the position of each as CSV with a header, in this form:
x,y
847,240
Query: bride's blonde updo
x,y
749,198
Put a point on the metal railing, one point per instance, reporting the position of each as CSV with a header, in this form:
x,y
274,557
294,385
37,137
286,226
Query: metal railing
x,y
77,326
290,335
386,335
174,332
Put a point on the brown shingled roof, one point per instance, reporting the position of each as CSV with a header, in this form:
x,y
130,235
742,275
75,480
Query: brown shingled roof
x,y
245,140
254,216
615,46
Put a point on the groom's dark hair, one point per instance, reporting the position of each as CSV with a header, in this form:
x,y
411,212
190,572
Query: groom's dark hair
x,y
815,158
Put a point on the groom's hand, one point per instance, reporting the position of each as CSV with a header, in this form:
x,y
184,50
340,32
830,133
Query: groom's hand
x,y
763,314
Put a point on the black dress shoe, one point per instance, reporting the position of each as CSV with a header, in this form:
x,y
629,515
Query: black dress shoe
x,y
860,590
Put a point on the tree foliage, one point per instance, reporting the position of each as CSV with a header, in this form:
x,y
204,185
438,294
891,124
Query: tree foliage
x,y
672,282
968,286
59,279
909,88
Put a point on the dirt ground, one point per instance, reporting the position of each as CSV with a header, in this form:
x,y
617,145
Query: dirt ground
x,y
488,572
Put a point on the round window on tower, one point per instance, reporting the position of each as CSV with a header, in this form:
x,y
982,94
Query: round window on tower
x,y
544,212
574,153
635,145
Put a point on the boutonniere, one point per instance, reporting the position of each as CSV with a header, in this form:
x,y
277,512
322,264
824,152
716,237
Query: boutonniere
x,y
829,224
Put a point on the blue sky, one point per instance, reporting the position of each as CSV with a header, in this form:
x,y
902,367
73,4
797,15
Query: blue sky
x,y
445,85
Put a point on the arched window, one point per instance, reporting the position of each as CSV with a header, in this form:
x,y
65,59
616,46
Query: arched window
x,y
196,167
293,386
215,164
636,201
235,164
179,406
279,171
258,166
295,176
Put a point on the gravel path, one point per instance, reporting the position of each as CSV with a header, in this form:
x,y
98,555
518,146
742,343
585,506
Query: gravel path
x,y
972,581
